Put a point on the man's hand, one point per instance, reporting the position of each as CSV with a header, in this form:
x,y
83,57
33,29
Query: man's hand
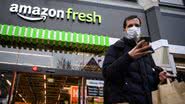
x,y
139,50
163,76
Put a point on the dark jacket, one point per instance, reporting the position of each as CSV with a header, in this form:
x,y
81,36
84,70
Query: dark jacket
x,y
126,79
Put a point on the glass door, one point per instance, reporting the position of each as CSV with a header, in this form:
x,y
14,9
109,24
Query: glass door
x,y
6,85
33,88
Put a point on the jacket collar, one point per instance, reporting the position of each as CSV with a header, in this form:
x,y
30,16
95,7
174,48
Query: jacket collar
x,y
124,41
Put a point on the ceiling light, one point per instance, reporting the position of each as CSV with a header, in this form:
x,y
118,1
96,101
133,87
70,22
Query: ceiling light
x,y
45,92
9,83
44,77
2,75
50,80
66,88
44,85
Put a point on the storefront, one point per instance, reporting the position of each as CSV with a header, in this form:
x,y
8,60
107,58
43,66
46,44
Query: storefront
x,y
48,51
51,51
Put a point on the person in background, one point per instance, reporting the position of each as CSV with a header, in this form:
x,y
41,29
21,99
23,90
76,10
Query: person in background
x,y
130,74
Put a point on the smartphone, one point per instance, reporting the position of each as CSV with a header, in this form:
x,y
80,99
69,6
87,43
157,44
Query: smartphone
x,y
147,39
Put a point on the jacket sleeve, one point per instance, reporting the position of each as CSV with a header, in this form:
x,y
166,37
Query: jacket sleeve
x,y
113,67
155,74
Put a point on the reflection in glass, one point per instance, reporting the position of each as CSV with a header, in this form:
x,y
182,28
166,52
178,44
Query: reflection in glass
x,y
77,61
44,89
5,85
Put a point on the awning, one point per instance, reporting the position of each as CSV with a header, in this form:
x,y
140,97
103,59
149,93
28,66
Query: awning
x,y
54,37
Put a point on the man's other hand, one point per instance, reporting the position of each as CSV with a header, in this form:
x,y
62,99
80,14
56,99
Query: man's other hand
x,y
163,76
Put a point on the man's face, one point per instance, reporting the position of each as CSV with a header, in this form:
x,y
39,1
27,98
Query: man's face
x,y
133,22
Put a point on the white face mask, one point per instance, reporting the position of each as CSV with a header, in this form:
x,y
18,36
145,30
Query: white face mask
x,y
133,32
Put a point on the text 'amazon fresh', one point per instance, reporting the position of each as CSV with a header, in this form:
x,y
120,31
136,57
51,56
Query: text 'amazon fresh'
x,y
36,14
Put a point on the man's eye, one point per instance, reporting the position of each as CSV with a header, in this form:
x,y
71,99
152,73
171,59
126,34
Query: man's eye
x,y
131,25
137,25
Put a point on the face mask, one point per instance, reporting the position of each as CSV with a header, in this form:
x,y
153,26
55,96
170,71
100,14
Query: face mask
x,y
133,32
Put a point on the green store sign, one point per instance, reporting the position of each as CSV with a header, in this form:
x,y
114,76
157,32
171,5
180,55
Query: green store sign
x,y
92,42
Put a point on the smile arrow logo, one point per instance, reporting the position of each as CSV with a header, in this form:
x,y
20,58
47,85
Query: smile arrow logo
x,y
41,18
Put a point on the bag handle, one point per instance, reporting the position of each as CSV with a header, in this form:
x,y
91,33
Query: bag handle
x,y
168,81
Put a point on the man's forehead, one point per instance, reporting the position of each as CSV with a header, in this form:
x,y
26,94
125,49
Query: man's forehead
x,y
134,20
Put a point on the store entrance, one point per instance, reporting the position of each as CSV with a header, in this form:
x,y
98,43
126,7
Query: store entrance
x,y
34,88
44,89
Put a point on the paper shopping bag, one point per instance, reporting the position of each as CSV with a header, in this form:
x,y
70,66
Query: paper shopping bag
x,y
180,88
156,97
169,95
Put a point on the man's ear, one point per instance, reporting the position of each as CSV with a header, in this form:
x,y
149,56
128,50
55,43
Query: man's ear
x,y
124,29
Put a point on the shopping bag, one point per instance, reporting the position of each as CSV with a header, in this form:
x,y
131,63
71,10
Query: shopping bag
x,y
169,95
180,87
156,97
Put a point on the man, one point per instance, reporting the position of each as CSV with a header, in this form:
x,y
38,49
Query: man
x,y
129,71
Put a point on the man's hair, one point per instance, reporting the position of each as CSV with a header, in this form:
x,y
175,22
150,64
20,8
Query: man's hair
x,y
130,18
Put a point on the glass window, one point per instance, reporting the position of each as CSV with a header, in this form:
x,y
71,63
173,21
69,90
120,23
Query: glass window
x,y
35,88
129,0
176,2
77,61
5,85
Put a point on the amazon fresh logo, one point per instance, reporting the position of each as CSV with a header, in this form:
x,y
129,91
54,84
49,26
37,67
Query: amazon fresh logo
x,y
35,13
